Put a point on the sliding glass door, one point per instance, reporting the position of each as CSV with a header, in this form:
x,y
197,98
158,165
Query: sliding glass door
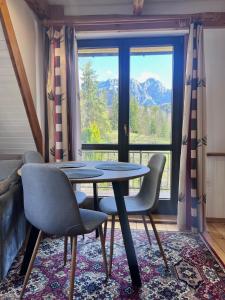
x,y
131,106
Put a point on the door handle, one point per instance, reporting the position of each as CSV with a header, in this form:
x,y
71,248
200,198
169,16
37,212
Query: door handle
x,y
125,129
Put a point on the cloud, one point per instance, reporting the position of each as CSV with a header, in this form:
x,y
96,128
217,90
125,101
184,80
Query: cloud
x,y
107,74
80,74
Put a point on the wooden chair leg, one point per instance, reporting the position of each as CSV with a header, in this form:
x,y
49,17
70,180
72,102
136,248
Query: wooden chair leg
x,y
73,266
158,240
111,244
103,250
146,230
40,235
105,229
65,249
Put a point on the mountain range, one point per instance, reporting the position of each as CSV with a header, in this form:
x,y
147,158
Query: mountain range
x,y
148,93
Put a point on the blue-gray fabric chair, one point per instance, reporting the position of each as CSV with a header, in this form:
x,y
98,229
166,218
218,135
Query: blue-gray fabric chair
x,y
49,206
36,157
141,204
81,197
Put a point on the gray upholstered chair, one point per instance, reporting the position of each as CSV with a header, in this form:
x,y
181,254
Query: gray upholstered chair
x,y
36,157
141,204
49,206
81,197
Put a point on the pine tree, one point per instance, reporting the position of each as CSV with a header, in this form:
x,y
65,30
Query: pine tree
x,y
134,115
94,113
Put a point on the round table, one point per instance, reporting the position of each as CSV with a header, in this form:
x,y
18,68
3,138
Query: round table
x,y
117,178
109,175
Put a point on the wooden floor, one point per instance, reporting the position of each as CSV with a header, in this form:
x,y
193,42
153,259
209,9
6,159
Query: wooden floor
x,y
214,234
159,226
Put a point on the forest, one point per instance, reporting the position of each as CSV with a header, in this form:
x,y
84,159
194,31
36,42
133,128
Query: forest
x,y
99,125
99,121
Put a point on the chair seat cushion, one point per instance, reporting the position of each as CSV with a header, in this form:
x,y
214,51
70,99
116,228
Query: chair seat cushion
x,y
81,197
134,205
92,219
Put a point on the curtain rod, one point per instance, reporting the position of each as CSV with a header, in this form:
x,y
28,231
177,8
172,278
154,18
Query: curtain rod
x,y
126,22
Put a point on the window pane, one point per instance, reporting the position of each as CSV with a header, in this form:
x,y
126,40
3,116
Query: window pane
x,y
98,75
151,73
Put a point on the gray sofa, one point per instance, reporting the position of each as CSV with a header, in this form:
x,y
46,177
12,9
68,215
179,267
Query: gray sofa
x,y
12,219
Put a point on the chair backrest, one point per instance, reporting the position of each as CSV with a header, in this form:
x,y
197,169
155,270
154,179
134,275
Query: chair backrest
x,y
32,157
49,202
150,188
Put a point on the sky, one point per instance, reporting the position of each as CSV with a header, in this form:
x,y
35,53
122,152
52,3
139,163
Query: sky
x,y
142,67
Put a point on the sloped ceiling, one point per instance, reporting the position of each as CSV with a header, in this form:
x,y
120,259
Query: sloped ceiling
x,y
15,132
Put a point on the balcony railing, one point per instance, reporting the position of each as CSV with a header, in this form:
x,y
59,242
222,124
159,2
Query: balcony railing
x,y
139,157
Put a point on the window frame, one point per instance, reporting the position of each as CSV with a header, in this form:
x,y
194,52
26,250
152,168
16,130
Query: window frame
x,y
123,147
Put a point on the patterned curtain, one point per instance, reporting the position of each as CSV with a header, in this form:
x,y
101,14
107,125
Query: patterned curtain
x,y
192,196
63,107
73,95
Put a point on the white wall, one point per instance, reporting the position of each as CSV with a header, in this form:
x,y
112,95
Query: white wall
x,y
215,76
215,70
215,206
214,45
29,39
15,132
23,21
28,32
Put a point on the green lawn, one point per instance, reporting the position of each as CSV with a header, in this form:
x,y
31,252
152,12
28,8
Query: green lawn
x,y
136,138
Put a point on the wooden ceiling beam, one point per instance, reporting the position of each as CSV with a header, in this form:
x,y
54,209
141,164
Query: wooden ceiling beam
x,y
39,7
45,11
20,73
127,22
138,7
56,11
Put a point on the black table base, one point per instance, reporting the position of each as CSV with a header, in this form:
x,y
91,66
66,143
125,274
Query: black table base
x,y
29,250
127,237
96,206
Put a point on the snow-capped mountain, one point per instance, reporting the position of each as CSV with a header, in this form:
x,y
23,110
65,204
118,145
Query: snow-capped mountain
x,y
147,93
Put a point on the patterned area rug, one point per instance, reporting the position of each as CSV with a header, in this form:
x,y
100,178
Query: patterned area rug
x,y
194,272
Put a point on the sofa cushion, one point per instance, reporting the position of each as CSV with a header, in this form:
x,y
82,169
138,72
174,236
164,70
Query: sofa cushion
x,y
8,174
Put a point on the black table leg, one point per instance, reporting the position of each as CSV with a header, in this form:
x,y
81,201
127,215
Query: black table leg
x,y
95,191
29,250
127,237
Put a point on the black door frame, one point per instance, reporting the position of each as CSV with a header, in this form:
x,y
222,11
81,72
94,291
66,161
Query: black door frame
x,y
123,147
